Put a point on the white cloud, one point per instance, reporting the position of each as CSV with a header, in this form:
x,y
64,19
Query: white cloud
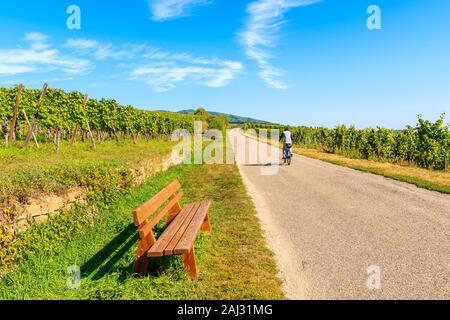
x,y
163,76
160,69
101,51
39,56
37,40
264,21
171,9
82,44
14,69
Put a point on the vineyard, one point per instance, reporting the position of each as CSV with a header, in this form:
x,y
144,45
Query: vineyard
x,y
54,115
426,145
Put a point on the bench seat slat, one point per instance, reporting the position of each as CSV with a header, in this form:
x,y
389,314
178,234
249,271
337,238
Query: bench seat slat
x,y
157,250
169,251
189,236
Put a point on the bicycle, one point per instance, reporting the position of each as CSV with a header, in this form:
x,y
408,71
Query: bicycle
x,y
288,156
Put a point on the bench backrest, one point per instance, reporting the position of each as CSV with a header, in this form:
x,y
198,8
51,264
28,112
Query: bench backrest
x,y
170,195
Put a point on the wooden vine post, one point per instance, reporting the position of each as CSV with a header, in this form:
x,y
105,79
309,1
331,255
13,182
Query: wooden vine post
x,y
115,124
74,134
12,128
31,131
86,99
58,137
133,135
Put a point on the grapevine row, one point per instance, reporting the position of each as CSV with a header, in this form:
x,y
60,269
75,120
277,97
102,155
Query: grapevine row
x,y
65,112
426,145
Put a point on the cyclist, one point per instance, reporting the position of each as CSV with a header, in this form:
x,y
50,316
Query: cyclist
x,y
286,137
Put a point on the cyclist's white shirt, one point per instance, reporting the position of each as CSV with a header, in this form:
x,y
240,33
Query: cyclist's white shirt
x,y
287,137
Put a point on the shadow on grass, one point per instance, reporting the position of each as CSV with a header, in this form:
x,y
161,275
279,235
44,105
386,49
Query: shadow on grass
x,y
106,261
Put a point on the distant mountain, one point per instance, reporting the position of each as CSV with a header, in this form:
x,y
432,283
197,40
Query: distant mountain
x,y
232,118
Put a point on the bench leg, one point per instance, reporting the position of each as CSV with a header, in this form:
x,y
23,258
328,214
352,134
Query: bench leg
x,y
141,266
141,261
206,226
190,264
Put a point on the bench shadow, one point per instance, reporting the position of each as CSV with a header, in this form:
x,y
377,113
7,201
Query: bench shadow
x,y
104,261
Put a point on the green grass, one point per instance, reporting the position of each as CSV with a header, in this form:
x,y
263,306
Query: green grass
x,y
234,261
126,152
412,180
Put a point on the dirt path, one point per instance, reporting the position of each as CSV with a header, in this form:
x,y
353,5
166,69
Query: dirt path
x,y
333,228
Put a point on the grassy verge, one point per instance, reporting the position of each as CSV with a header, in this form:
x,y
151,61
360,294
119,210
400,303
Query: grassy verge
x,y
234,262
423,178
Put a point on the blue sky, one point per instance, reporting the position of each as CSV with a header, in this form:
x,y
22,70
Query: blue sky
x,y
289,61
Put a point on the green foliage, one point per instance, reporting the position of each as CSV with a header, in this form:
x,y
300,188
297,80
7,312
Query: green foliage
x,y
104,182
202,113
218,122
427,145
96,175
44,239
65,110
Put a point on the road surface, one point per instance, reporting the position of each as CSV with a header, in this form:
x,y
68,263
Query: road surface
x,y
338,233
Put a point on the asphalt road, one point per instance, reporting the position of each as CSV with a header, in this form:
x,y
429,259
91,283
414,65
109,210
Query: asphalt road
x,y
338,233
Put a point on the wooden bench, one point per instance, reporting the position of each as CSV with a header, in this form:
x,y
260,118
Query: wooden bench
x,y
178,238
